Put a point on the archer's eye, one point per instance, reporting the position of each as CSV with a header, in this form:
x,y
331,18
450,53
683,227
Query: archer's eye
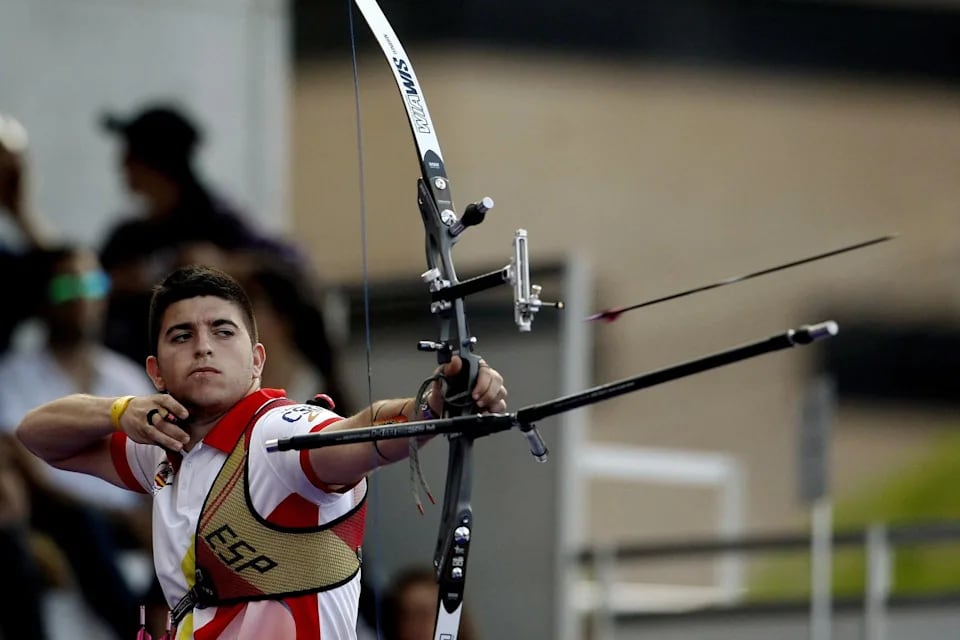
x,y
180,337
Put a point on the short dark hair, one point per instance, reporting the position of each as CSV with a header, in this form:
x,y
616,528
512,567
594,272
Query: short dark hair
x,y
193,281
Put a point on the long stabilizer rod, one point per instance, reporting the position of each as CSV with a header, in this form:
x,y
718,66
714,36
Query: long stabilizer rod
x,y
475,426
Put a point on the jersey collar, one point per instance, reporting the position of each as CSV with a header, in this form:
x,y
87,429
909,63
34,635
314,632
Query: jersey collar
x,y
226,432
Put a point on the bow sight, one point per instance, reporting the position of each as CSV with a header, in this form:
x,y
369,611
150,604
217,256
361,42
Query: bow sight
x,y
526,296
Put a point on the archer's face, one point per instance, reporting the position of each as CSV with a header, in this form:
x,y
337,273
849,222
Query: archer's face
x,y
205,356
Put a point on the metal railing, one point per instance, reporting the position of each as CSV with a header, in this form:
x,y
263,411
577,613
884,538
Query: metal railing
x,y
609,602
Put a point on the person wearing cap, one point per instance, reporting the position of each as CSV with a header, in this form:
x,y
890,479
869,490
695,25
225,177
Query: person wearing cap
x,y
183,218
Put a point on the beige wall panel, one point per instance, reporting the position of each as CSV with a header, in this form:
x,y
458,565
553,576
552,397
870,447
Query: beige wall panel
x,y
666,179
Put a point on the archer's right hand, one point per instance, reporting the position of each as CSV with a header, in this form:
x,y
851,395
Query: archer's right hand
x,y
154,420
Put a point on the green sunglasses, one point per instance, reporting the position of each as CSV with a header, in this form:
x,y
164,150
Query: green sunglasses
x,y
91,285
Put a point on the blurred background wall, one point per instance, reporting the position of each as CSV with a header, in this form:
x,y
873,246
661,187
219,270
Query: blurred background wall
x,y
664,144
671,145
667,174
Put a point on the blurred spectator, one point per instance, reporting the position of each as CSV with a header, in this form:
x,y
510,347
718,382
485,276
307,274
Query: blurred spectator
x,y
21,610
411,608
16,208
87,518
303,359
180,211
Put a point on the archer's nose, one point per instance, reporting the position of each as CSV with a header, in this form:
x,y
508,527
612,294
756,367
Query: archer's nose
x,y
204,346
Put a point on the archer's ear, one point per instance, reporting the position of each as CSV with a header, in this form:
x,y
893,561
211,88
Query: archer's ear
x,y
259,359
153,370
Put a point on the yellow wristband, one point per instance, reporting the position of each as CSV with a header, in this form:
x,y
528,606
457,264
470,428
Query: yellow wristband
x,y
116,410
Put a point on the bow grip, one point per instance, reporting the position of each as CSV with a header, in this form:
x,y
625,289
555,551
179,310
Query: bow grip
x,y
457,398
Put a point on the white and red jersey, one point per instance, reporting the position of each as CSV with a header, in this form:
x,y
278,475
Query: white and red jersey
x,y
283,489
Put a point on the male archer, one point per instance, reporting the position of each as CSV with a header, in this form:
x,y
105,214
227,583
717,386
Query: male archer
x,y
247,544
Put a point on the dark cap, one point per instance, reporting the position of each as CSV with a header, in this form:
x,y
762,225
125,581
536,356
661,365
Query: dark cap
x,y
160,135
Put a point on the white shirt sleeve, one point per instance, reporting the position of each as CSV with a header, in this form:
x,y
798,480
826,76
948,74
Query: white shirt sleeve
x,y
286,467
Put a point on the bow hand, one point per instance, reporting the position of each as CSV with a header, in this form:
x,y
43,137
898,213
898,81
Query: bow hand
x,y
488,394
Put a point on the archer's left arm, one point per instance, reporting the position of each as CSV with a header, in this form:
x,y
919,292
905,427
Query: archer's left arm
x,y
345,465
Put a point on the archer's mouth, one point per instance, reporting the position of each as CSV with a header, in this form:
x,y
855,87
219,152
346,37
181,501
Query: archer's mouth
x,y
205,370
